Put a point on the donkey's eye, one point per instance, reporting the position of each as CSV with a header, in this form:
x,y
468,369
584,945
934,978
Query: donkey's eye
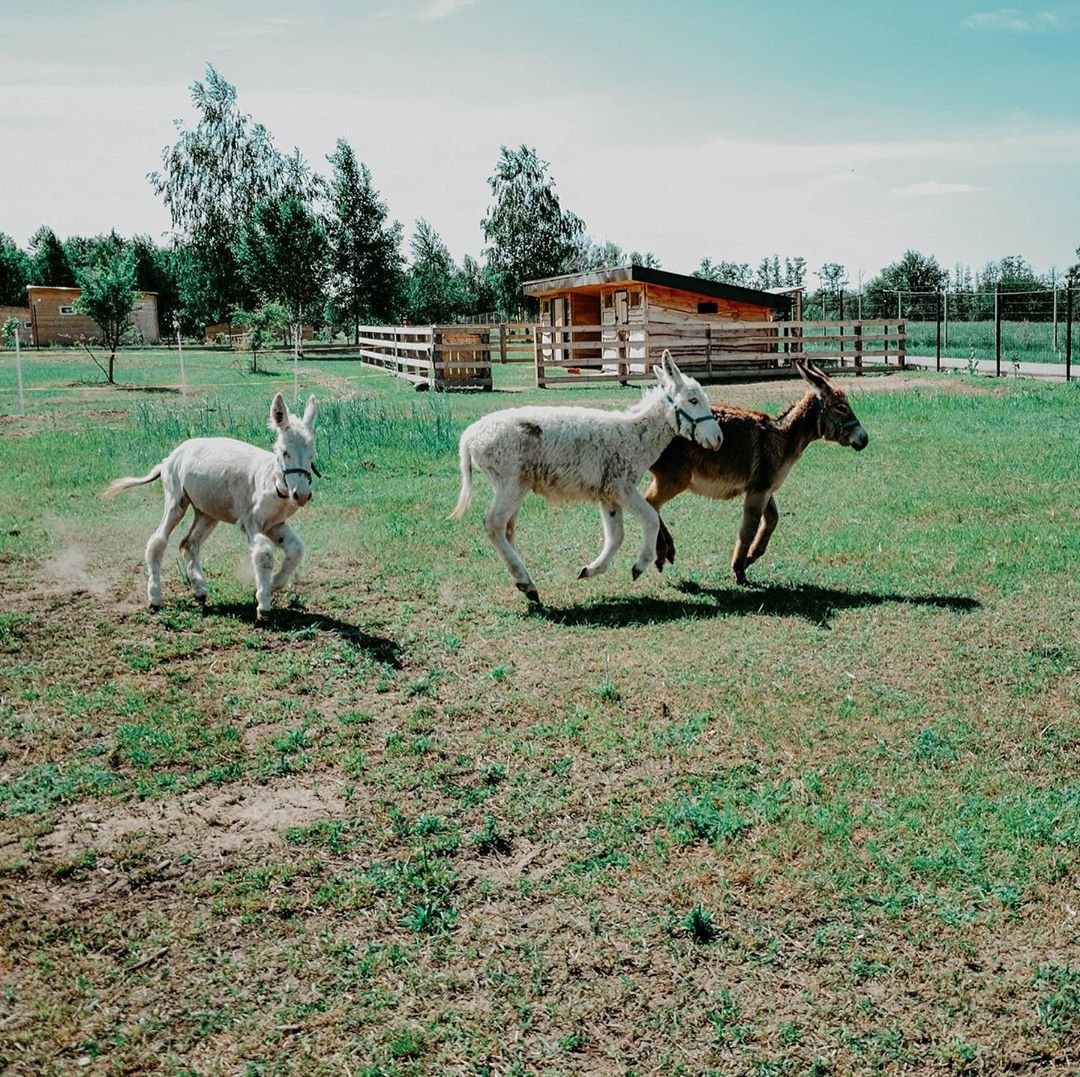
x,y
694,401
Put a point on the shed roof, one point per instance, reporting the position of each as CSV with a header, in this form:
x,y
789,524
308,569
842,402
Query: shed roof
x,y
63,288
645,275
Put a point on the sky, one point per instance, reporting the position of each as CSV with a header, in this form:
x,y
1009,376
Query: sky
x,y
838,132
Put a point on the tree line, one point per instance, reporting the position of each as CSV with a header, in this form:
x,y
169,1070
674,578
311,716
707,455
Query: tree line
x,y
259,238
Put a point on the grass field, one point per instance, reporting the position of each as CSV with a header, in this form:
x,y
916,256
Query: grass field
x,y
1022,342
829,824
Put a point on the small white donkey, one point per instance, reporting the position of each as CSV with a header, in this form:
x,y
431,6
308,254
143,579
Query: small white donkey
x,y
582,454
230,481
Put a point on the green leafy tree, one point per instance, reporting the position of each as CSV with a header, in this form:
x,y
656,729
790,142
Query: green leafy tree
x,y
15,271
262,327
211,179
434,290
86,251
9,332
282,254
477,290
725,272
833,277
50,264
592,255
794,272
366,267
157,270
646,259
915,273
108,297
528,234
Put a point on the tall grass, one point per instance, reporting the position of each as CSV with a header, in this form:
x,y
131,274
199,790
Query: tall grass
x,y
1031,342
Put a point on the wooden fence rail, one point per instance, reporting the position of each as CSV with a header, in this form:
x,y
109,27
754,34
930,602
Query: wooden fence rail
x,y
710,350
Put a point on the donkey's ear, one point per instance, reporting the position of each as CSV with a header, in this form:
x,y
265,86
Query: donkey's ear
x,y
279,413
309,412
662,376
673,371
812,376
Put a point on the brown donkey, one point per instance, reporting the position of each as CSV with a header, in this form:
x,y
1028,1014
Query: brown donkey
x,y
757,454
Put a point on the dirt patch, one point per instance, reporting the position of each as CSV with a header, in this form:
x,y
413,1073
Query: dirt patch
x,y
198,825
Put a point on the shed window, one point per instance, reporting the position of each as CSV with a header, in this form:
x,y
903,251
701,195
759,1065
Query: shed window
x,y
67,310
707,308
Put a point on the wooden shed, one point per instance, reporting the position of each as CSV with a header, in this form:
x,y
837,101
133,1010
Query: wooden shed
x,y
54,320
618,321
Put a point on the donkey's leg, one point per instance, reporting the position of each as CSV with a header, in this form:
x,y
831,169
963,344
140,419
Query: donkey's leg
x,y
176,504
499,521
769,519
666,483
262,560
191,551
650,528
285,537
753,509
611,518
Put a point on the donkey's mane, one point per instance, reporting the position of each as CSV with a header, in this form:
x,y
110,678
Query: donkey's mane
x,y
796,408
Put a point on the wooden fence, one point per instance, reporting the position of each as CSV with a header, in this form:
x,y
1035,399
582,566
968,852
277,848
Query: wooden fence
x,y
442,357
710,350
433,356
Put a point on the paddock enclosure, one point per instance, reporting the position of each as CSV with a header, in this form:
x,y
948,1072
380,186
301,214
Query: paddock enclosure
x,y
822,825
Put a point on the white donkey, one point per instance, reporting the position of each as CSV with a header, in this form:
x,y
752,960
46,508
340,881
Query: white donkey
x,y
582,454
232,481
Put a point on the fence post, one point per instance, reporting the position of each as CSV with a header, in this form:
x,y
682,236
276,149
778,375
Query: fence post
x,y
901,345
18,368
946,327
540,380
937,351
1068,329
858,349
437,370
997,329
502,342
708,351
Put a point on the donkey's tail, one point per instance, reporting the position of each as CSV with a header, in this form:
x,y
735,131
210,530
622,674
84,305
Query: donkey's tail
x,y
465,458
117,485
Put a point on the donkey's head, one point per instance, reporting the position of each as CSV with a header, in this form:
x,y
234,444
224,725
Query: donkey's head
x,y
836,420
294,449
691,415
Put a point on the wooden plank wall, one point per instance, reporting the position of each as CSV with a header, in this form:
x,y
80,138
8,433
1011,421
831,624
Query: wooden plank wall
x,y
25,328
52,327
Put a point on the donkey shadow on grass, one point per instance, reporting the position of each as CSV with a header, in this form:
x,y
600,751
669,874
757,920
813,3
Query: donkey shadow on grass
x,y
287,621
812,603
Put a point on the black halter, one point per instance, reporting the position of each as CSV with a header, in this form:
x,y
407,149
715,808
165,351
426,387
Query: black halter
x,y
680,414
287,471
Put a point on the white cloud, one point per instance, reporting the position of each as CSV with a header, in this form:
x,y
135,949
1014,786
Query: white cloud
x,y
930,188
432,10
1011,20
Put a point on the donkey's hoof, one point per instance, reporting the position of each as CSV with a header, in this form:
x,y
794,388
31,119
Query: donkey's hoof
x,y
201,599
529,591
262,617
635,572
584,573
154,609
